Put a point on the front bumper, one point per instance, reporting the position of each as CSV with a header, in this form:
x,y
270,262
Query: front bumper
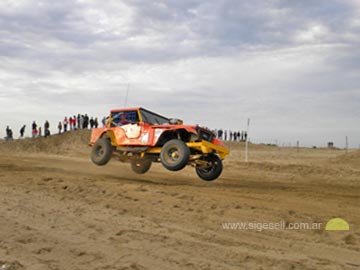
x,y
207,148
203,146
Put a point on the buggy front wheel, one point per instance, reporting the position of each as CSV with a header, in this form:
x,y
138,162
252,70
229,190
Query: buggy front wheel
x,y
101,152
175,155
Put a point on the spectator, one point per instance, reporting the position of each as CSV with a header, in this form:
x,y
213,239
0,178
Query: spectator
x,y
22,131
34,129
71,123
225,135
74,122
92,124
47,128
96,122
60,127
66,122
78,120
9,134
238,135
86,121
81,121
40,132
220,133
245,136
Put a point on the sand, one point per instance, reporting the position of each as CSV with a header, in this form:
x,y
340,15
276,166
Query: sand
x,y
59,211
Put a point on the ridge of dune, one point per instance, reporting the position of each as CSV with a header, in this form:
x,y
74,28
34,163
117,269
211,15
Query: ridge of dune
x,y
69,143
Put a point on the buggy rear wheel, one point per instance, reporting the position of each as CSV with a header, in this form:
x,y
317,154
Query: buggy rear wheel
x,y
140,165
211,170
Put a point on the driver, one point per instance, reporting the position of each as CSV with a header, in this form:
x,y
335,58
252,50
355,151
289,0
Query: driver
x,y
123,120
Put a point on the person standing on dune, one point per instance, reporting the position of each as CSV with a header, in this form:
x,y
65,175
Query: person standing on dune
x,y
9,134
66,122
60,127
238,136
92,124
47,128
96,123
74,122
70,122
22,131
34,129
86,121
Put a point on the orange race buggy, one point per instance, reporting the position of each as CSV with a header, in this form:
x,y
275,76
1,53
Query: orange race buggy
x,y
139,136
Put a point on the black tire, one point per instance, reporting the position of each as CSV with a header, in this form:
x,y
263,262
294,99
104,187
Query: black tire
x,y
140,165
101,152
175,155
212,170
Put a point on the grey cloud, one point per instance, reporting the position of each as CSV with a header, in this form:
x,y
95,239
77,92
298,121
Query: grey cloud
x,y
212,28
49,52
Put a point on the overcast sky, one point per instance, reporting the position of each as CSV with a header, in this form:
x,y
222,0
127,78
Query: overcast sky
x,y
293,67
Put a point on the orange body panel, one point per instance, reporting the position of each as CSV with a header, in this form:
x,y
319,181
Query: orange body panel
x,y
125,110
217,142
96,133
148,136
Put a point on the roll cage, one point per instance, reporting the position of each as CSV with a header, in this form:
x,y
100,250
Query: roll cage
x,y
133,116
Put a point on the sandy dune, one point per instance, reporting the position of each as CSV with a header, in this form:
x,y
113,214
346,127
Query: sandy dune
x,y
59,211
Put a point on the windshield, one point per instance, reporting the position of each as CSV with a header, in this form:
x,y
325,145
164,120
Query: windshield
x,y
153,118
124,118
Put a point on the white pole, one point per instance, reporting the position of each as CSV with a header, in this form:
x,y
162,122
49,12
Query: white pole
x,y
297,146
247,140
346,144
